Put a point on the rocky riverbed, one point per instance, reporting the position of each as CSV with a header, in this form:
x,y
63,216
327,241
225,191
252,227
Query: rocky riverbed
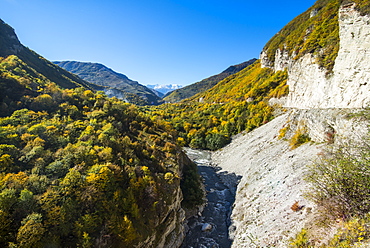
x,y
253,182
210,229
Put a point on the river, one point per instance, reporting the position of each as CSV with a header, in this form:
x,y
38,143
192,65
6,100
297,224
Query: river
x,y
211,228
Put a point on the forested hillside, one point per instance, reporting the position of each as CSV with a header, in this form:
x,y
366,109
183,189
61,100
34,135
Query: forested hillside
x,y
205,84
10,45
237,103
79,169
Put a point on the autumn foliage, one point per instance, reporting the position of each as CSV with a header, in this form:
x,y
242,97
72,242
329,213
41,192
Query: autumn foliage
x,y
78,169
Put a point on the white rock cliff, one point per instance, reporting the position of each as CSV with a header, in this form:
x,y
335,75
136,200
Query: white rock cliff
x,y
261,216
349,84
273,173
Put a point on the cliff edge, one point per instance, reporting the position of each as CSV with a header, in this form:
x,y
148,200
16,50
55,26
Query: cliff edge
x,y
270,207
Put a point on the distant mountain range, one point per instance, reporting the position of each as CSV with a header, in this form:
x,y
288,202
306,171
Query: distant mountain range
x,y
205,84
118,85
114,83
162,90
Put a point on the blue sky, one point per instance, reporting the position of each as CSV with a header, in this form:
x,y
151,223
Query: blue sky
x,y
152,42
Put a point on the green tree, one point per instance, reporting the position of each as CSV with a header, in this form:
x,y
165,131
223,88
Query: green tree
x,y
31,232
216,141
43,102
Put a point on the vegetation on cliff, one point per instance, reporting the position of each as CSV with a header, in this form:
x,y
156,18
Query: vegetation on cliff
x,y
80,169
361,5
315,31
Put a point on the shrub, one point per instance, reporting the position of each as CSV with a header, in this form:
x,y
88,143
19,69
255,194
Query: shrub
x,y
301,240
300,137
296,207
351,234
191,186
283,131
216,141
341,181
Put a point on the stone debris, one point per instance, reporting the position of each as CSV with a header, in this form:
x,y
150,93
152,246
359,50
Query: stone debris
x,y
206,227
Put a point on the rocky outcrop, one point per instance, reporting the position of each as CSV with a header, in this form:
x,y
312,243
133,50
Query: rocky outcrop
x,y
170,231
348,86
329,126
270,207
174,224
262,215
265,62
282,60
352,66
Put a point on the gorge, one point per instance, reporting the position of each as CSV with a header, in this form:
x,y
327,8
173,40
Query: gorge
x,y
81,169
272,172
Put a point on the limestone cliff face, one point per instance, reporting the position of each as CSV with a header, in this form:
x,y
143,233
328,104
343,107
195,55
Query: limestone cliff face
x,y
348,86
262,215
273,173
170,228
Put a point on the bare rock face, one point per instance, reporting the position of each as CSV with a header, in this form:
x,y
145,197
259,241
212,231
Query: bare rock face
x,y
349,85
265,62
282,60
272,181
173,225
270,207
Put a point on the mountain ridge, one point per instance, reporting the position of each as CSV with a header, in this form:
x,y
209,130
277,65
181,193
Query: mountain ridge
x,y
10,45
102,75
205,84
162,90
304,97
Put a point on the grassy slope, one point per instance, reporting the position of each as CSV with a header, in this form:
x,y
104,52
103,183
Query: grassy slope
x,y
205,84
